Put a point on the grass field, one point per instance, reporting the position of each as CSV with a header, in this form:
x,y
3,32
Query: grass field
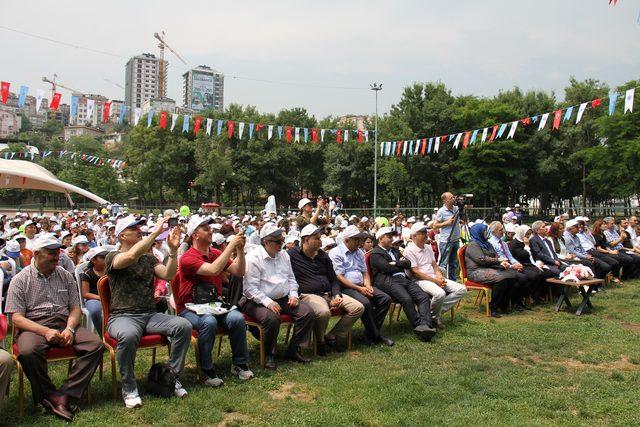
x,y
532,368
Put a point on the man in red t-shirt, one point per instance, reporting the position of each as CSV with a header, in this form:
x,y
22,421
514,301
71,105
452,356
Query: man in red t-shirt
x,y
203,264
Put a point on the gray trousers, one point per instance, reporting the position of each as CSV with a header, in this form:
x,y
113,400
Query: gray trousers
x,y
6,367
127,329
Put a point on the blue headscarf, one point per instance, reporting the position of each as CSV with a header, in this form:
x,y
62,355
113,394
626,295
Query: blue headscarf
x,y
477,235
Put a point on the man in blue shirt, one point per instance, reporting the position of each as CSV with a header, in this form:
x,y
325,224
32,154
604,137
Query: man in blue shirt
x,y
572,242
351,270
446,221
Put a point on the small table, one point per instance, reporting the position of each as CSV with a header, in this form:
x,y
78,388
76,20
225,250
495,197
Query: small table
x,y
586,294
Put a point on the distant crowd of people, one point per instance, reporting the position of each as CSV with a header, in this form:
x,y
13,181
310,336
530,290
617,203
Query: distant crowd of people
x,y
302,267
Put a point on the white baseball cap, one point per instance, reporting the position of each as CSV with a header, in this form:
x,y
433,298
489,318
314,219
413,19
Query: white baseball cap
x,y
98,250
418,226
217,238
352,231
309,230
411,219
384,230
12,248
571,223
364,219
80,239
303,202
125,222
270,230
328,243
46,241
195,222
510,227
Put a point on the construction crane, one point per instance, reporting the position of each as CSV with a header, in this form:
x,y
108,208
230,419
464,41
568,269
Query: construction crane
x,y
55,84
113,83
161,72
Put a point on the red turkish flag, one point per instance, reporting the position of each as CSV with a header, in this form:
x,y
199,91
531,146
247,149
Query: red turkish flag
x,y
493,133
526,121
596,103
163,120
557,116
465,142
423,149
399,149
5,91
196,125
259,127
55,102
314,135
360,140
443,139
339,136
106,111
287,134
230,128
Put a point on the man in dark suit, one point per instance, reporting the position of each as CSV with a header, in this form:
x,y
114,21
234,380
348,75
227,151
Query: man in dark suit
x,y
388,269
542,249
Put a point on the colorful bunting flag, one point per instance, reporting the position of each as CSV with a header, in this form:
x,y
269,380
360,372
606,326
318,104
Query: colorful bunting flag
x,y
196,125
174,120
288,134
512,131
150,115
219,127
269,132
209,126
137,113
163,120
503,127
581,111
106,112
4,91
557,116
240,129
39,97
484,135
251,125
612,102
22,98
314,135
628,100
543,121
55,101
90,107
186,122
567,114
230,125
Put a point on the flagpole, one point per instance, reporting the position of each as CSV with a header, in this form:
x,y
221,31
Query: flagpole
x,y
376,87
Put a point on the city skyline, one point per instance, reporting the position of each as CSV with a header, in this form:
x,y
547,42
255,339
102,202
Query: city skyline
x,y
477,48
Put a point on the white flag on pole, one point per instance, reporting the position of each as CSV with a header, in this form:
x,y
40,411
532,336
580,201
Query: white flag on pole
x,y
39,96
512,131
136,115
581,111
174,119
209,125
543,121
628,100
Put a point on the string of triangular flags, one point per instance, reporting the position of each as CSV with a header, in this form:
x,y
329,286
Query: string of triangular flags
x,y
424,146
237,129
96,160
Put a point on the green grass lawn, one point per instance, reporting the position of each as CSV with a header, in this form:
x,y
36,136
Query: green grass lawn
x,y
533,368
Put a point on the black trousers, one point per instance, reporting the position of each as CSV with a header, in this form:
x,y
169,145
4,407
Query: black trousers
x,y
599,267
614,262
303,319
407,293
501,293
529,283
630,264
375,310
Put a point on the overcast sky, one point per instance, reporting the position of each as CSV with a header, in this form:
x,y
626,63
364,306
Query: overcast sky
x,y
474,46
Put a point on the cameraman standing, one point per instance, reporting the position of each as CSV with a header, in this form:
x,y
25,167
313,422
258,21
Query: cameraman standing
x,y
447,222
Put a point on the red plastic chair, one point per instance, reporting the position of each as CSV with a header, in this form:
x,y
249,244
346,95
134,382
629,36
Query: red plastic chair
x,y
148,341
482,288
285,319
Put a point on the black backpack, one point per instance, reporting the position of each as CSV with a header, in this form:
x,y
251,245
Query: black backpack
x,y
161,381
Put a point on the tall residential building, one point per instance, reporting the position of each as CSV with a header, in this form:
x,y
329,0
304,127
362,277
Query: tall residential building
x,y
203,89
141,81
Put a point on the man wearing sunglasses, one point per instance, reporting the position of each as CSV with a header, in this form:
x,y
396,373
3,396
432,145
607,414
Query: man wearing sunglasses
x,y
270,289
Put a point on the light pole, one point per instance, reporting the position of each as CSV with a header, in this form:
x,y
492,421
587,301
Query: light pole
x,y
376,87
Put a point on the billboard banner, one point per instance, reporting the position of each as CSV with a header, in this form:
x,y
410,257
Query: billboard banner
x,y
202,96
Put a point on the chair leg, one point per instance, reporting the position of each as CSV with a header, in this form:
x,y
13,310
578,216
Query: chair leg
x,y
453,314
20,389
288,335
488,292
112,356
219,346
392,309
262,349
194,342
398,315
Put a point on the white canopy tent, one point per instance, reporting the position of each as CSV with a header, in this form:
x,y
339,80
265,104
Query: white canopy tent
x,y
30,176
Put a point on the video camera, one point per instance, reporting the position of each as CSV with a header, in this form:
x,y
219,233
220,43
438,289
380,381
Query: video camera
x,y
463,200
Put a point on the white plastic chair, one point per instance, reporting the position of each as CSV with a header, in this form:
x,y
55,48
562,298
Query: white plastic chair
x,y
81,268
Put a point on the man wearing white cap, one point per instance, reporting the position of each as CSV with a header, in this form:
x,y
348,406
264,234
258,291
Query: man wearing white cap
x,y
599,268
320,289
270,289
132,270
445,293
200,277
387,267
45,306
351,270
30,231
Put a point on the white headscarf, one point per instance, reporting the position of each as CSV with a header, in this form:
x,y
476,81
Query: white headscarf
x,y
521,231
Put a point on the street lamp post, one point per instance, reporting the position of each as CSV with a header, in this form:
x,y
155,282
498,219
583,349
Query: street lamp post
x,y
376,87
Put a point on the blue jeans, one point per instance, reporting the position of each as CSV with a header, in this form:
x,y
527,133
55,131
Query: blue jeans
x,y
449,260
207,325
95,311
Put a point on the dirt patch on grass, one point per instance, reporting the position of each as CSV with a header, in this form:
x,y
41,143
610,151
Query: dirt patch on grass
x,y
631,326
623,364
297,392
234,418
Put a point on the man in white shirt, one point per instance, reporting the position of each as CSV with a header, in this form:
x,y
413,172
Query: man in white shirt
x,y
631,229
424,268
30,233
270,289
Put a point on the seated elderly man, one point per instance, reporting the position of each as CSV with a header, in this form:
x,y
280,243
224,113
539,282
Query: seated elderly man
x,y
615,237
388,269
270,289
574,247
45,306
351,270
132,270
444,293
320,289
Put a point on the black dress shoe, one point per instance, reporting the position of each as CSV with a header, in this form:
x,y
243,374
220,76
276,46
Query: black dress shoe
x,y
334,346
425,332
57,406
270,362
495,314
386,341
73,408
293,353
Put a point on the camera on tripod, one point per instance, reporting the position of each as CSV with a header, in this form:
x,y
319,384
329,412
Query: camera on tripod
x,y
463,200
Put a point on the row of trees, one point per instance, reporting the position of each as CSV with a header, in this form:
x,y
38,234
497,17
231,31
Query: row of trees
x,y
597,158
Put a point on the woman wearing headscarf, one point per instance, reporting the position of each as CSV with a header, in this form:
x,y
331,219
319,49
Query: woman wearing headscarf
x,y
484,266
536,275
